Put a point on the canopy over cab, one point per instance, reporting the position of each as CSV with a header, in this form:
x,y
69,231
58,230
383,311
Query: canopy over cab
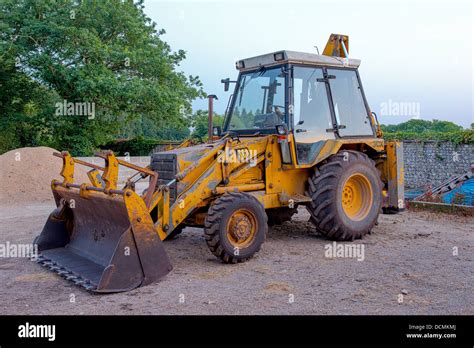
x,y
285,57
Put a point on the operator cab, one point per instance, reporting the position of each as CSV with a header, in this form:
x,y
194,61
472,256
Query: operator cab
x,y
315,97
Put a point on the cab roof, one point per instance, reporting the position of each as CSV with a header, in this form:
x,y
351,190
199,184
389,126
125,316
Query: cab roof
x,y
283,57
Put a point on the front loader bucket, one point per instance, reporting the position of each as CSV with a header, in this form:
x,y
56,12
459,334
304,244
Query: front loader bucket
x,y
103,242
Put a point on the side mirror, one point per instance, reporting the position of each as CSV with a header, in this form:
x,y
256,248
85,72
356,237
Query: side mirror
x,y
216,131
282,129
226,83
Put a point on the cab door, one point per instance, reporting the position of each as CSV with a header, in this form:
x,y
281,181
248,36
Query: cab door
x,y
312,120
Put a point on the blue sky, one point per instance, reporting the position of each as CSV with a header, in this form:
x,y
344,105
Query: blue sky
x,y
416,55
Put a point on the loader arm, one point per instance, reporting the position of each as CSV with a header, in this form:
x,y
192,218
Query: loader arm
x,y
212,173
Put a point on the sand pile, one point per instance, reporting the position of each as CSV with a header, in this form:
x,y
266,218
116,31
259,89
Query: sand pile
x,y
26,174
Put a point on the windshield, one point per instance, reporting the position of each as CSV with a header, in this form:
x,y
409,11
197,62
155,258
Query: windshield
x,y
259,101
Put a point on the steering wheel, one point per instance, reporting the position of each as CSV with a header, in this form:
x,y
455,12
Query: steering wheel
x,y
278,111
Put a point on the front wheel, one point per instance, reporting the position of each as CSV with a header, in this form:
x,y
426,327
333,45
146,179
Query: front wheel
x,y
346,195
235,227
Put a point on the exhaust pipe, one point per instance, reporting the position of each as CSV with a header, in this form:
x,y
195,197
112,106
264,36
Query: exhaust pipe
x,y
210,98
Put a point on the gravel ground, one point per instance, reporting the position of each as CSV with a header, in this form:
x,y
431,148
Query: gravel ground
x,y
408,268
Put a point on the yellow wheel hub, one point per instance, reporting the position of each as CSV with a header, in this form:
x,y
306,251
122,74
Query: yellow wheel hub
x,y
357,197
241,228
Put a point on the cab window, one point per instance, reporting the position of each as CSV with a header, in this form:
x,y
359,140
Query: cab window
x,y
260,101
349,106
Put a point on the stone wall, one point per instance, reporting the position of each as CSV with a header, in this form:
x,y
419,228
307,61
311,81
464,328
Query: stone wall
x,y
434,162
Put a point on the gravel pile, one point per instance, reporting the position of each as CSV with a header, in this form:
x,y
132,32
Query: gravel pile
x,y
26,174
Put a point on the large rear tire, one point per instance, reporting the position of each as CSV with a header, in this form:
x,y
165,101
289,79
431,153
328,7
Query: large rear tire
x,y
235,227
346,195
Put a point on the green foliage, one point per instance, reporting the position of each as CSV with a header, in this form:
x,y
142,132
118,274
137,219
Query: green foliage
x,y
138,146
144,127
199,122
420,126
422,130
104,52
458,137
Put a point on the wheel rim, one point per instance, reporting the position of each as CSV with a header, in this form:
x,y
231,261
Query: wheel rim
x,y
357,197
241,228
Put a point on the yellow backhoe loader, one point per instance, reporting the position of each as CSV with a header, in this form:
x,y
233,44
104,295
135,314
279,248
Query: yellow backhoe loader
x,y
298,131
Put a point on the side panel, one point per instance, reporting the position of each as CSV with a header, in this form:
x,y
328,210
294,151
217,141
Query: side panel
x,y
165,165
282,181
395,174
331,147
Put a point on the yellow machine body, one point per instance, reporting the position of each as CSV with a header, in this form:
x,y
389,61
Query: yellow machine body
x,y
109,238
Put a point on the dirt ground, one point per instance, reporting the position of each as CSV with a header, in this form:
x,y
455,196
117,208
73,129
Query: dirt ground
x,y
408,268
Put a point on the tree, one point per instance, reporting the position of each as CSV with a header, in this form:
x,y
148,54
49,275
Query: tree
x,y
199,123
108,54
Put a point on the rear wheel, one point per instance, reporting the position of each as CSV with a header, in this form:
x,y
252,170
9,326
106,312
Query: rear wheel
x,y
235,227
346,196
